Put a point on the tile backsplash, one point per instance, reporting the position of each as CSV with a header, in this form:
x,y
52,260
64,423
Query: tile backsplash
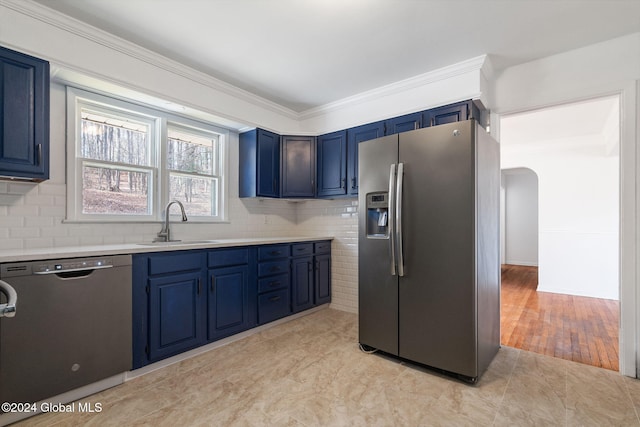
x,y
33,216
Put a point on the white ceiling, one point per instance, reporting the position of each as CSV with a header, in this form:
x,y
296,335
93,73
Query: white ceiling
x,y
580,127
303,54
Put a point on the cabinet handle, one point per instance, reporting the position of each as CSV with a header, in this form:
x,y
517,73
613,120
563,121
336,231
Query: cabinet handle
x,y
199,286
309,266
39,154
274,284
353,183
274,299
432,120
300,249
213,283
275,183
343,183
275,253
274,268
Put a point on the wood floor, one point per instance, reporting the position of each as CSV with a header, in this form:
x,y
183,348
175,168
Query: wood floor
x,y
580,329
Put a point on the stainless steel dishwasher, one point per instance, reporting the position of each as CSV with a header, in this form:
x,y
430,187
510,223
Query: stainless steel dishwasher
x,y
71,326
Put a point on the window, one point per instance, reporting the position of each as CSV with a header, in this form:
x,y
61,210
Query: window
x,y
126,162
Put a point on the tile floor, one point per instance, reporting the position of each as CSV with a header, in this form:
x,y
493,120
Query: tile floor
x,y
310,372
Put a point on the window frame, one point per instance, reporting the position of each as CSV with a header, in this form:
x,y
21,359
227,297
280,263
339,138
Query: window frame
x,y
158,121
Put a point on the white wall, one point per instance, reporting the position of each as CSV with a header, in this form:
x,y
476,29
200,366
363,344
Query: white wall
x,y
578,213
520,216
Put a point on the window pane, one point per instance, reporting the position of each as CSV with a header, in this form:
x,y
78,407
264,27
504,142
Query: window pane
x,y
114,139
188,152
108,191
198,195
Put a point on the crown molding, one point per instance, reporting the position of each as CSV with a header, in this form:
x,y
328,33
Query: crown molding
x,y
113,42
473,64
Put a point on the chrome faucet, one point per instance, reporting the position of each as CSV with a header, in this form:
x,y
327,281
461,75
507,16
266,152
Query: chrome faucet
x,y
165,234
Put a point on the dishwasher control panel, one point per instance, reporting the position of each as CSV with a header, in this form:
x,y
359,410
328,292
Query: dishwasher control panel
x,y
71,265
54,266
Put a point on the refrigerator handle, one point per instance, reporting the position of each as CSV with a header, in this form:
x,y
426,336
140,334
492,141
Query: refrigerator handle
x,y
392,238
398,221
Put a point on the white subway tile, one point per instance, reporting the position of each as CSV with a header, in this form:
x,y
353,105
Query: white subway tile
x,y
23,210
11,244
38,243
24,232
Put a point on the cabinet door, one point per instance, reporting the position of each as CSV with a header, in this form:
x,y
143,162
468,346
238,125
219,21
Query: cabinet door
x,y
298,166
354,137
332,164
448,114
268,168
403,123
176,314
228,301
24,116
302,283
323,278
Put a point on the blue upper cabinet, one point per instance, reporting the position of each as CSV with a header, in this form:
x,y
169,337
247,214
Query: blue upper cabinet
x,y
24,116
450,113
403,123
259,164
355,136
274,166
298,166
332,164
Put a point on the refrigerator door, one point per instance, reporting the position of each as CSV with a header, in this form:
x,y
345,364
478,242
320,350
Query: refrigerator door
x,y
378,286
437,294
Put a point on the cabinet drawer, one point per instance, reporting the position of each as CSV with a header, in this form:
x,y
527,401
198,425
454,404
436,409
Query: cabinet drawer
x,y
322,247
173,262
273,267
273,305
226,257
274,282
301,249
273,252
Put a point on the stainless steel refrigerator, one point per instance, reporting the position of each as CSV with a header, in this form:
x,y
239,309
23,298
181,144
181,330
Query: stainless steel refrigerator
x,y
429,266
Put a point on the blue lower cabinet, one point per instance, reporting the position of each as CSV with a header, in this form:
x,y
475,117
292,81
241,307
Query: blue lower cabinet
x,y
169,305
176,314
228,301
302,283
273,305
322,279
184,299
274,282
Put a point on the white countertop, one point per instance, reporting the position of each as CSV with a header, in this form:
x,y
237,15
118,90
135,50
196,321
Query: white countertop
x,y
14,255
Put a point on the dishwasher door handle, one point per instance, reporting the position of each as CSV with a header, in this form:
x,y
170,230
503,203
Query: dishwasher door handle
x,y
70,270
8,309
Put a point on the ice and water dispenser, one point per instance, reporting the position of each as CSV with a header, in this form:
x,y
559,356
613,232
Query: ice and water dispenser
x,y
378,215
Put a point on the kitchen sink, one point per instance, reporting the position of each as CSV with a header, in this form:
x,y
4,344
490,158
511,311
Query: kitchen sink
x,y
178,242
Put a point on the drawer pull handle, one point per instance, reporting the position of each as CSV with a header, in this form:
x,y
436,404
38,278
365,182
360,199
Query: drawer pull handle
x,y
301,249
275,268
275,253
274,299
272,284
